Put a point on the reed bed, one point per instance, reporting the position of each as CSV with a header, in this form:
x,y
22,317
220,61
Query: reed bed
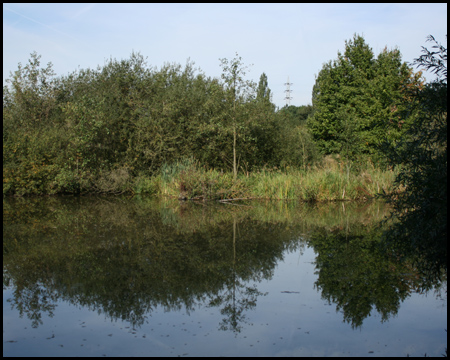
x,y
328,181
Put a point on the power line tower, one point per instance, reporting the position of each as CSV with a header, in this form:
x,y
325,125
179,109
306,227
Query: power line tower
x,y
288,91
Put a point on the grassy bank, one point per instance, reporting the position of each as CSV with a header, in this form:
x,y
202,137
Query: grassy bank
x,y
329,180
326,181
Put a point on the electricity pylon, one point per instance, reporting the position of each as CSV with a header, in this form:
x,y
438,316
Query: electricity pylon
x,y
288,91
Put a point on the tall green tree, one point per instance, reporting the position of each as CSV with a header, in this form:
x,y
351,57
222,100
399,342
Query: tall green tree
x,y
354,97
338,98
263,92
420,218
238,92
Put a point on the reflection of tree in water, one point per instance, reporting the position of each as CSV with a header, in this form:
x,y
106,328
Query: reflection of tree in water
x,y
239,300
357,276
125,260
34,300
127,269
237,297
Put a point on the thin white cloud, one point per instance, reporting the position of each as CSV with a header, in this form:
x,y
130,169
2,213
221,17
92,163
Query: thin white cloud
x,y
83,11
39,23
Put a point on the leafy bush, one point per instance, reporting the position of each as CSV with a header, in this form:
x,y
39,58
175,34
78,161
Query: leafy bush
x,y
420,188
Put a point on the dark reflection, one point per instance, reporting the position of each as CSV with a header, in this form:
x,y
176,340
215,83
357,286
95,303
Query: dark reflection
x,y
127,257
355,273
237,298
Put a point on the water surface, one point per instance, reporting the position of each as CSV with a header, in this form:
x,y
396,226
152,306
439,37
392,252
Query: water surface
x,y
104,276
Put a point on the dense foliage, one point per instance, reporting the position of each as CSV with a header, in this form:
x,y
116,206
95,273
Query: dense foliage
x,y
117,127
420,203
300,148
356,100
95,130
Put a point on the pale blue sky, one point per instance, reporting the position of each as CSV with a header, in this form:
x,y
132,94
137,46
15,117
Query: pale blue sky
x,y
279,39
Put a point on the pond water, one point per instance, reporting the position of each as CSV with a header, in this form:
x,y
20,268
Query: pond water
x,y
116,276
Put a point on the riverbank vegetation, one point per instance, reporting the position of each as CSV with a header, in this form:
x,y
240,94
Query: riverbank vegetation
x,y
326,180
419,226
127,127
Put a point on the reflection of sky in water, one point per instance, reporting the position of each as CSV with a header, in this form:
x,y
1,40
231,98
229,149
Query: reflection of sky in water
x,y
282,324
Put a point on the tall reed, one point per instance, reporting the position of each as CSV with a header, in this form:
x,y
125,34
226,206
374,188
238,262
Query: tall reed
x,y
189,180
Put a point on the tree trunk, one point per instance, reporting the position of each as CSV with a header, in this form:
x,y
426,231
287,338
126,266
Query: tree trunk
x,y
234,154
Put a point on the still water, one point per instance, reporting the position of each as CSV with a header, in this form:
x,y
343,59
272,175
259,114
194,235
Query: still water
x,y
111,276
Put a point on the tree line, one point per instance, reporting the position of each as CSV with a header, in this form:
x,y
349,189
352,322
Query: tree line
x,y
70,134
62,134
